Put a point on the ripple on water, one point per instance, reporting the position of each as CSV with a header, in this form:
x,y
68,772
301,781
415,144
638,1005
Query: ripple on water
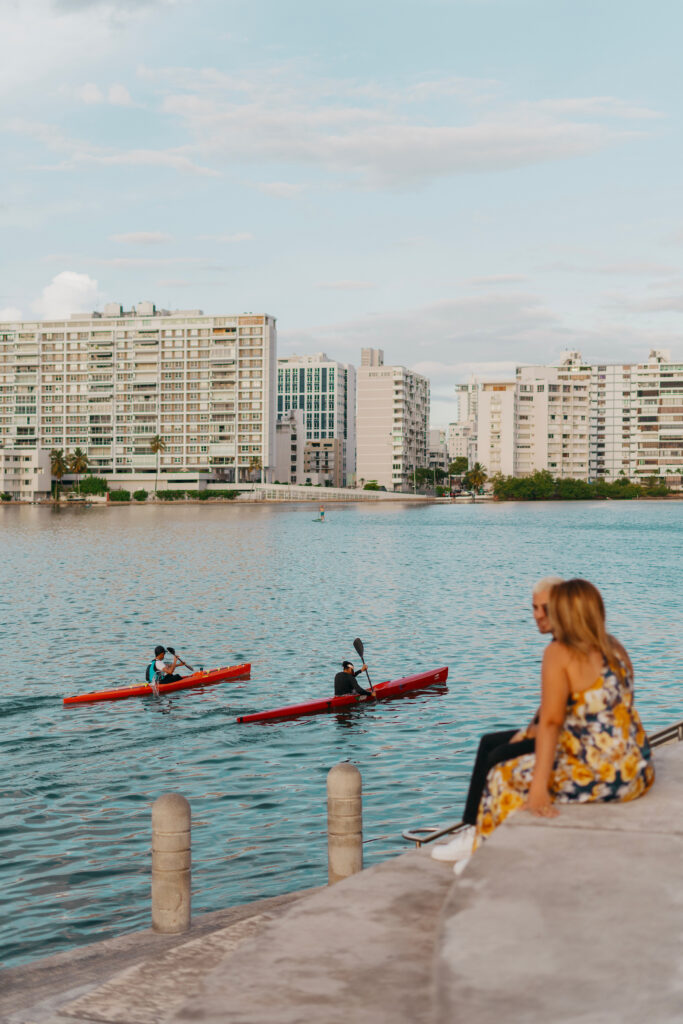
x,y
421,586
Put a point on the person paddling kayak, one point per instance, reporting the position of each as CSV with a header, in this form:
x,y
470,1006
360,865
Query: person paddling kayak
x,y
345,681
159,671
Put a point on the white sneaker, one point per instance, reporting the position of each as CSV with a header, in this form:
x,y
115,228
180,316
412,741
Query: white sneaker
x,y
460,865
458,848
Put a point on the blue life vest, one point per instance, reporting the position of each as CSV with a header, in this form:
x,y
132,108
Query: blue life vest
x,y
151,673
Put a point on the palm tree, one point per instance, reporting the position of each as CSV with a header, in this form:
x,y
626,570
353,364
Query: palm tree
x,y
254,465
476,477
157,445
78,463
58,467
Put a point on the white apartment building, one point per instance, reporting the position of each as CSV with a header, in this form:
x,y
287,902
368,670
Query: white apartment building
x,y
290,442
392,422
325,390
108,382
578,419
495,432
552,418
25,473
462,442
437,449
656,418
612,428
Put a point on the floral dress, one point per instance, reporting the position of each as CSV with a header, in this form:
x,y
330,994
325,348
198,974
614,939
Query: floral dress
x,y
602,754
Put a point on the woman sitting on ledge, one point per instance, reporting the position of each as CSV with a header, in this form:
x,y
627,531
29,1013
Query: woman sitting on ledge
x,y
590,744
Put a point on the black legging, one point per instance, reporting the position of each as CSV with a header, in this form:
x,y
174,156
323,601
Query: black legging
x,y
494,747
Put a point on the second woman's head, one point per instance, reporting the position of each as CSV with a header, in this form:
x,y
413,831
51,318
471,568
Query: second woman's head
x,y
577,616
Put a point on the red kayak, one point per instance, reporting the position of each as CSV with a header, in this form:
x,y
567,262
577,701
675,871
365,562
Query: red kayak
x,y
216,675
383,691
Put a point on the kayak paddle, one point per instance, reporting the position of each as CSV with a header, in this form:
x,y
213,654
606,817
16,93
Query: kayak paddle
x,y
180,659
358,644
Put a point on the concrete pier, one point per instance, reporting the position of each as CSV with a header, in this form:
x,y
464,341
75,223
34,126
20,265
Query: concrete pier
x,y
574,920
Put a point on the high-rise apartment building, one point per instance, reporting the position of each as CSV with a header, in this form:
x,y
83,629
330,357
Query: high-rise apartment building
x,y
108,382
495,426
582,420
392,422
656,418
552,418
325,390
462,441
611,427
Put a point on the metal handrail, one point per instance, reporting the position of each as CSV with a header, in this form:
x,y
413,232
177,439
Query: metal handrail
x,y
672,732
428,833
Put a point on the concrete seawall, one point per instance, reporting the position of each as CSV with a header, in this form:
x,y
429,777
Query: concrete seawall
x,y
576,919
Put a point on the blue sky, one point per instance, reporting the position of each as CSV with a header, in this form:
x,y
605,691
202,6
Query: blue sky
x,y
468,184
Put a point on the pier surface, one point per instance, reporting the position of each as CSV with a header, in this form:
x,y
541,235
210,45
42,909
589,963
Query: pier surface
x,y
576,919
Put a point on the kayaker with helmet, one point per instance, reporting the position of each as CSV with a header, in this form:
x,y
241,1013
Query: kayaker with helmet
x,y
345,681
159,671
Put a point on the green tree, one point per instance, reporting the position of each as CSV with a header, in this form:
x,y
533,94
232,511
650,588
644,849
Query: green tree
x,y
58,467
94,485
458,466
475,478
254,466
157,445
78,463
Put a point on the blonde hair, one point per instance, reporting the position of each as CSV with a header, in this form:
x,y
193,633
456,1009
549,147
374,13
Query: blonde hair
x,y
577,617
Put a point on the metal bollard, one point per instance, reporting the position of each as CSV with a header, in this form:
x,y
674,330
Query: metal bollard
x,y
344,822
171,864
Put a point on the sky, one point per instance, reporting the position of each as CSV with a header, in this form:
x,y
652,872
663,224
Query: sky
x,y
466,184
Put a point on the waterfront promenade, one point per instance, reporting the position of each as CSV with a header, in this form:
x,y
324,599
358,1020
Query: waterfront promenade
x,y
576,919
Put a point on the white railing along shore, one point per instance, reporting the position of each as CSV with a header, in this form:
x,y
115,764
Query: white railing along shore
x,y
322,495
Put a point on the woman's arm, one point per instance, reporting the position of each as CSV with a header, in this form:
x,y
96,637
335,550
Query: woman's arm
x,y
554,693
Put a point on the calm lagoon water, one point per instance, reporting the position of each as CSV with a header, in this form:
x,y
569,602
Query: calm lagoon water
x,y
86,594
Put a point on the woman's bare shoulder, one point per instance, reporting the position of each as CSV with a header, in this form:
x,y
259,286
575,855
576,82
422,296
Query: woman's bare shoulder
x,y
556,655
556,650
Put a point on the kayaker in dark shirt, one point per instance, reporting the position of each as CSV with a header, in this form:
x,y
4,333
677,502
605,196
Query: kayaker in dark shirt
x,y
345,681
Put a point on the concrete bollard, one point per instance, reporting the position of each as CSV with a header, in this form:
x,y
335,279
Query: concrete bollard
x,y
344,822
171,864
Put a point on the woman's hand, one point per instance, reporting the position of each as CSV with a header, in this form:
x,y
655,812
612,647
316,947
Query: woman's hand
x,y
539,803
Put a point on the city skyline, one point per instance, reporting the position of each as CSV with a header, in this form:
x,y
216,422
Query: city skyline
x,y
470,185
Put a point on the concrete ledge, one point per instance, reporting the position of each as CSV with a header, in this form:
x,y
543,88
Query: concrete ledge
x,y
576,919
360,952
35,992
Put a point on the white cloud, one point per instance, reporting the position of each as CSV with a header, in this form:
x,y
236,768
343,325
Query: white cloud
x,y
385,138
281,189
10,313
495,279
148,261
657,304
119,96
495,330
346,286
240,236
91,93
142,238
600,106
68,292
77,152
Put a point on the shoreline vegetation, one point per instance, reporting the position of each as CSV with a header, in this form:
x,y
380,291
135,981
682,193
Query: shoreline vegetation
x,y
543,486
540,486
